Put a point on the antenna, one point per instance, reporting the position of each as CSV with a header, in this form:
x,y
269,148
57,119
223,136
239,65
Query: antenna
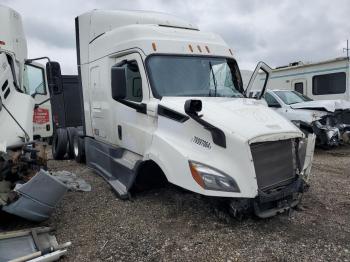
x,y
347,49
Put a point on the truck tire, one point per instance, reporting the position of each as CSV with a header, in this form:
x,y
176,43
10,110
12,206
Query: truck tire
x,y
59,144
79,149
71,131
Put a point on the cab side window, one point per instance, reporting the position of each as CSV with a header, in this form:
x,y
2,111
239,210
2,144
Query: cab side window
x,y
271,101
133,82
34,80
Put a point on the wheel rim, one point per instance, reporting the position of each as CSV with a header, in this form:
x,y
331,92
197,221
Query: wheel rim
x,y
76,147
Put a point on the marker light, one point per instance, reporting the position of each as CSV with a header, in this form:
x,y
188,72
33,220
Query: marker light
x,y
154,46
212,179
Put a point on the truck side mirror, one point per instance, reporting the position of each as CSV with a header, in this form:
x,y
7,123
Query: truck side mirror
x,y
193,106
54,77
118,83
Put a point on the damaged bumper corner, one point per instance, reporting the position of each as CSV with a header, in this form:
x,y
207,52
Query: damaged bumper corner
x,y
36,199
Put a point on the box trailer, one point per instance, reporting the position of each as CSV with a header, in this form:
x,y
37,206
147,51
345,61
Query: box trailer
x,y
162,99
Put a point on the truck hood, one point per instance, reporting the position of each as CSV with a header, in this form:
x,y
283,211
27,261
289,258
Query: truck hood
x,y
323,105
250,119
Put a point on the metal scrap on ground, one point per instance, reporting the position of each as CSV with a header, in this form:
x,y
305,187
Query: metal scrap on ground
x,y
34,244
71,180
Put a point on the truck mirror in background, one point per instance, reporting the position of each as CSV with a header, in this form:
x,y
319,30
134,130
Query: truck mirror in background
x,y
258,81
118,81
54,77
193,106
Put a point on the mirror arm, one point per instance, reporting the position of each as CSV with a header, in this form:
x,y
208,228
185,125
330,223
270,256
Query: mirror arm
x,y
43,102
141,108
217,134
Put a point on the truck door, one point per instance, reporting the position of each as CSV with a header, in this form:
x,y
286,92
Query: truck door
x,y
35,82
299,85
134,127
258,81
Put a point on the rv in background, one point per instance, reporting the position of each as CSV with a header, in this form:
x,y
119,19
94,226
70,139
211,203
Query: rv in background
x,y
320,81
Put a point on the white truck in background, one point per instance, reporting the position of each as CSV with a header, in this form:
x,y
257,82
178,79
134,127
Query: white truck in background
x,y
164,100
19,81
323,117
23,87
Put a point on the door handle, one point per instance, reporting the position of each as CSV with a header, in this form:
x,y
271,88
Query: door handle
x,y
120,134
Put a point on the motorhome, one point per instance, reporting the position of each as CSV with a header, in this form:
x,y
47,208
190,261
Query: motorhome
x,y
162,99
325,80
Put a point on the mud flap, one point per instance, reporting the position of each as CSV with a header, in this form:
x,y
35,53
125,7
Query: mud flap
x,y
37,198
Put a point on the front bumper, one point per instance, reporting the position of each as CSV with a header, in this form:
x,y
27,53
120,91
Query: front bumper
x,y
278,201
271,203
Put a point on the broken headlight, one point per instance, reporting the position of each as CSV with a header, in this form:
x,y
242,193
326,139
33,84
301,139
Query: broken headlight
x,y
212,179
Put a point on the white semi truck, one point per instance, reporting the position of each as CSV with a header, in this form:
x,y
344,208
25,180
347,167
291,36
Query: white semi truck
x,y
163,99
23,86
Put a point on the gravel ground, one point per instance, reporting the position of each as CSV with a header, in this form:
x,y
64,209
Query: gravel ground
x,y
170,224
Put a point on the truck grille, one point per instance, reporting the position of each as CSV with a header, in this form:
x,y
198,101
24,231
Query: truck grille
x,y
274,163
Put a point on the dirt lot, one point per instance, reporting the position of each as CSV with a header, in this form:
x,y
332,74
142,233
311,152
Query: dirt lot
x,y
170,224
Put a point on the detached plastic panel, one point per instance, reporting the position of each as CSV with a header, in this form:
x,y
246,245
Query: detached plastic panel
x,y
38,197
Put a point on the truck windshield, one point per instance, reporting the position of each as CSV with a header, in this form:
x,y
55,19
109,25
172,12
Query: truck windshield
x,y
194,76
292,97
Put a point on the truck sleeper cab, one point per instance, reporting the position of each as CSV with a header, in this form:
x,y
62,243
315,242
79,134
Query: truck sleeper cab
x,y
157,90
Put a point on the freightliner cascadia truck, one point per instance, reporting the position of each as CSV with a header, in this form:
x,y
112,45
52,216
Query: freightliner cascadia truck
x,y
161,98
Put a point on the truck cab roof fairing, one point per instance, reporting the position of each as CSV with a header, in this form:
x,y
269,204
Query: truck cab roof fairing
x,y
103,21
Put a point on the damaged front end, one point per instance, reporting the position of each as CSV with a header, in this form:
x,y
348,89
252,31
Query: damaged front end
x,y
282,169
332,129
26,190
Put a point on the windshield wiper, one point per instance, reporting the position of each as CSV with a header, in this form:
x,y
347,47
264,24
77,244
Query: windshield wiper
x,y
214,79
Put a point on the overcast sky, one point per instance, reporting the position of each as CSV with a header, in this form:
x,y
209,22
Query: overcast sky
x,y
277,32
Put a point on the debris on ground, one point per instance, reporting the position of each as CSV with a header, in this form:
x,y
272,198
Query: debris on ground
x,y
26,189
170,224
71,180
34,244
36,199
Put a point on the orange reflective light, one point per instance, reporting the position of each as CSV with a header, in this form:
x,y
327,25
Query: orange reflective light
x,y
196,176
190,47
207,48
154,46
199,48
